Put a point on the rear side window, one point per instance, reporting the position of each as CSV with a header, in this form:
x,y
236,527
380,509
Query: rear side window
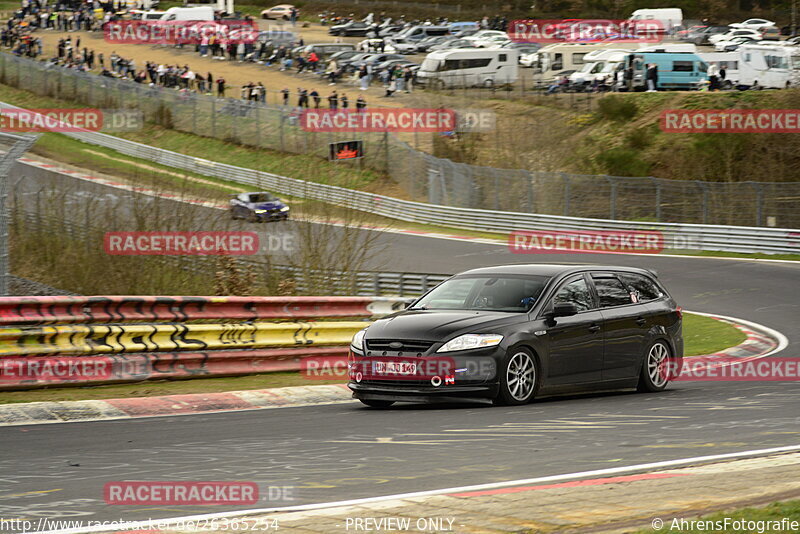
x,y
682,66
576,292
641,287
611,292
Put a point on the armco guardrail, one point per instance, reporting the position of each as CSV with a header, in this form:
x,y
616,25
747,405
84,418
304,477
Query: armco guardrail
x,y
695,236
80,340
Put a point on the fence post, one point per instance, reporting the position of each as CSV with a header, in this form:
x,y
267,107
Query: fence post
x,y
496,192
258,128
213,117
704,189
530,193
567,193
612,197
759,201
658,197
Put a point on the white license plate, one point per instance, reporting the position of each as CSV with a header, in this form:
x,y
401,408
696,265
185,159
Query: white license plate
x,y
394,368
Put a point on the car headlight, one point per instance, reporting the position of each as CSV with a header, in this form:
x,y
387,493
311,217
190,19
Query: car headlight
x,y
471,341
261,211
285,208
358,341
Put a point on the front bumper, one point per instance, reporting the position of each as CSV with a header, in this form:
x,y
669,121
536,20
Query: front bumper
x,y
457,375
273,216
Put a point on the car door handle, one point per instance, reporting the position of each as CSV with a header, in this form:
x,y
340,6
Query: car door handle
x,y
594,328
641,321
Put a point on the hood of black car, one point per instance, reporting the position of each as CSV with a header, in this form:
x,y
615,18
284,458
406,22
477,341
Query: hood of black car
x,y
439,325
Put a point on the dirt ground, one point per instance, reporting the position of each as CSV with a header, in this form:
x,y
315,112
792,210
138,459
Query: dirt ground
x,y
236,74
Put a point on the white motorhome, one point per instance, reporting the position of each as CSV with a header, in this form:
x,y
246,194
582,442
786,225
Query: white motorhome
x,y
189,13
599,64
775,66
220,6
552,60
469,67
727,60
669,17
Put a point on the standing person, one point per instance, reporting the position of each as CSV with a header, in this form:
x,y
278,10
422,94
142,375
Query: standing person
x,y
344,101
302,99
713,77
293,16
315,95
221,87
262,93
361,103
652,78
363,77
210,82
102,60
723,73
333,101
400,78
408,76
285,94
201,83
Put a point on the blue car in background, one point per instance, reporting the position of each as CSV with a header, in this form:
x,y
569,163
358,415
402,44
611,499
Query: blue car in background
x,y
258,207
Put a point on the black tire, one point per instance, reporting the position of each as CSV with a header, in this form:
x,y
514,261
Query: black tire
x,y
488,84
654,376
252,217
520,363
439,85
372,403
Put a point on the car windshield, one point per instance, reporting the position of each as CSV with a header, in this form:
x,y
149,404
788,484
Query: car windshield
x,y
261,197
504,293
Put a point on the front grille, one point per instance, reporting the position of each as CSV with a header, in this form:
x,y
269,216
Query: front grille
x,y
408,346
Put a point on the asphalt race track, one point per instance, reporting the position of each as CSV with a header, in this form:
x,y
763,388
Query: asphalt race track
x,y
338,452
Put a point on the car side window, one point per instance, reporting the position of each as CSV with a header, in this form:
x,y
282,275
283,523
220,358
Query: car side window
x,y
577,293
642,288
611,292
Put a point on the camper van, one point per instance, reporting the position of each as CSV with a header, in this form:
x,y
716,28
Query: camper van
x,y
599,65
775,66
553,60
219,6
671,18
469,67
188,13
727,60
676,70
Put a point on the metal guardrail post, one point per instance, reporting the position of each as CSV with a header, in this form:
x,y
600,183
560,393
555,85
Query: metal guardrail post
x,y
16,145
612,197
567,193
759,202
704,190
658,197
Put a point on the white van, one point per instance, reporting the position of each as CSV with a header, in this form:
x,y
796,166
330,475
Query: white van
x,y
669,17
469,67
728,60
599,64
189,13
775,66
554,59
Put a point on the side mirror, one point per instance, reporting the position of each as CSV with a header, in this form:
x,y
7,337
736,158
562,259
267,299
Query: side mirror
x,y
564,309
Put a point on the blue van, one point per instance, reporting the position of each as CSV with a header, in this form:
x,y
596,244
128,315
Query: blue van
x,y
684,71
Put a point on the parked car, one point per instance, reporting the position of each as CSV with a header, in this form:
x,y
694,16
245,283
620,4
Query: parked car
x,y
683,35
509,334
753,24
394,63
280,12
731,45
701,36
498,41
344,55
426,44
352,29
372,59
714,39
258,207
453,44
770,34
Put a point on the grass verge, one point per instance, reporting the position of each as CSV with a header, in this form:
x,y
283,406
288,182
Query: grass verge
x,y
700,333
765,515
704,335
163,387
